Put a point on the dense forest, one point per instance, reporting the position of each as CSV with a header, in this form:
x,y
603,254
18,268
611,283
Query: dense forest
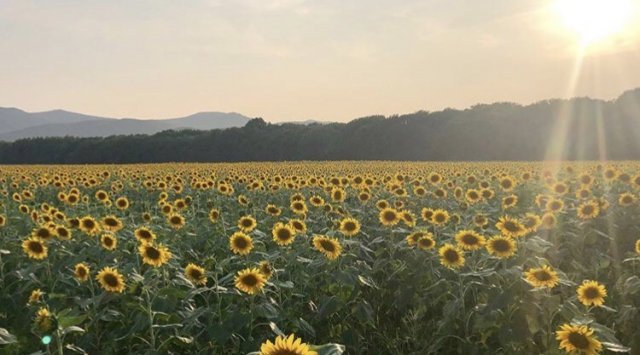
x,y
576,129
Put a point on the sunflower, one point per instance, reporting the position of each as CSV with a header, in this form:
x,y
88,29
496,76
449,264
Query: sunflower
x,y
626,199
542,277
81,272
389,217
507,183
554,205
101,195
144,235
480,220
35,296
286,346
214,214
89,225
122,203
510,227
247,224
240,243
451,256
154,255
427,214
316,201
426,242
146,217
3,220
111,280
43,319
440,217
250,280
45,232
576,338
176,221
298,225
273,210
502,247
531,222
338,194
473,196
266,269
509,201
298,207
364,197
63,233
330,247
283,234
408,218
591,293
588,210
469,240
112,224
412,239
638,246
195,274
349,227
35,248
382,204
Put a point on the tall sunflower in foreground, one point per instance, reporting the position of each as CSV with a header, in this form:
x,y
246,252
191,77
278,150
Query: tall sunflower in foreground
x,y
542,277
349,226
240,243
154,255
250,281
591,293
451,256
111,280
576,338
35,248
286,346
195,274
283,234
330,247
502,247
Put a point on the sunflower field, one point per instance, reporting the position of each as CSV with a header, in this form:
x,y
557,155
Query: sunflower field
x,y
321,258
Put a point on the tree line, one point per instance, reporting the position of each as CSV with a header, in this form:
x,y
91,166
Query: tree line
x,y
575,129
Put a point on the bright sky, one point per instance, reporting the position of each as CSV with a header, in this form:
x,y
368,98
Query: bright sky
x,y
294,59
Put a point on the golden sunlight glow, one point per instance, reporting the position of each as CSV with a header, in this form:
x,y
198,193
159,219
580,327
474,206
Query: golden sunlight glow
x,y
595,20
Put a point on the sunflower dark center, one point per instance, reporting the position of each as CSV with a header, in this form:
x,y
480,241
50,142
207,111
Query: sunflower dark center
x,y
247,223
439,217
144,234
425,242
195,273
469,239
36,247
588,209
511,226
111,280
350,226
108,242
591,292
152,253
328,246
250,280
89,224
241,243
82,272
111,222
43,233
501,246
283,234
578,340
451,255
176,220
542,275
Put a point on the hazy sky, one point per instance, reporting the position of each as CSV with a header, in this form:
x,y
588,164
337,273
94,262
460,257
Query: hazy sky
x,y
296,59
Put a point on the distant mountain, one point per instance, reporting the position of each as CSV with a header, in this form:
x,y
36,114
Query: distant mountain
x,y
16,124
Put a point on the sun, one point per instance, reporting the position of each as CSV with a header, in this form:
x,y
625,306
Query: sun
x,y
595,20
